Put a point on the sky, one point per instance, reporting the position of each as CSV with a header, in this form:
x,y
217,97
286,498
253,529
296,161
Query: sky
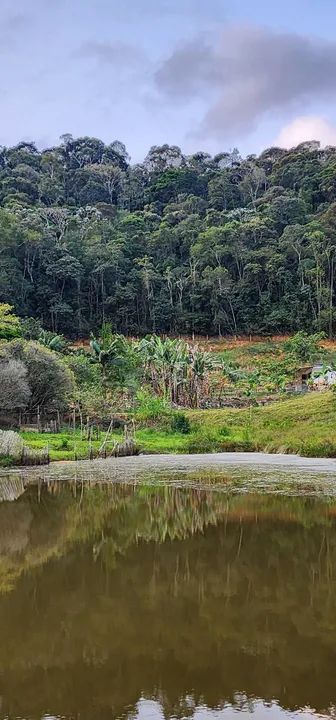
x,y
205,75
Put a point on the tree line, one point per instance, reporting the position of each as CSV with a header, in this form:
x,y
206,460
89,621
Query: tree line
x,y
176,244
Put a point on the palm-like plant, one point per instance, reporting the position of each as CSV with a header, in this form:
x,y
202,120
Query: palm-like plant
x,y
166,364
115,355
174,368
54,342
201,364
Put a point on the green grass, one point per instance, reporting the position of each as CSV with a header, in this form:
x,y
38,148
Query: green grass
x,y
6,462
62,446
155,441
67,446
304,425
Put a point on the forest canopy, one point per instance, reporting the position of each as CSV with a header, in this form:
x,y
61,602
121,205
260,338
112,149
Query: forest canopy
x,y
177,244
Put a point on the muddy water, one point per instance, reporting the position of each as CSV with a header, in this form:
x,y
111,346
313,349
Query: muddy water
x,y
169,588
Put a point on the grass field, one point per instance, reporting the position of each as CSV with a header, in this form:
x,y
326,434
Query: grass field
x,y
305,425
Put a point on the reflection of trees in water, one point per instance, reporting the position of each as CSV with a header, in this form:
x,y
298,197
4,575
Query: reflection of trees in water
x,y
49,517
171,593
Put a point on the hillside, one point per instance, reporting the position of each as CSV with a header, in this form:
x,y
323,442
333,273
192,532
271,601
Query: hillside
x,y
177,244
304,425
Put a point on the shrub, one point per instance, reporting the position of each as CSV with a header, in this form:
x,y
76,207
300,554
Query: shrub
x,y
180,423
199,444
151,407
11,444
51,340
31,328
15,391
9,323
315,448
64,444
50,382
85,371
304,347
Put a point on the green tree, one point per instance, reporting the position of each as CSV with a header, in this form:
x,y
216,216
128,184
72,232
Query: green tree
x,y
9,323
50,382
304,347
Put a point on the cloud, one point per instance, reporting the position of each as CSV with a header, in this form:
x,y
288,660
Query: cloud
x,y
246,74
118,53
191,71
163,8
14,22
11,27
306,128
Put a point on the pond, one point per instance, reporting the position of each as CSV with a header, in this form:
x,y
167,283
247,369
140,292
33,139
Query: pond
x,y
169,588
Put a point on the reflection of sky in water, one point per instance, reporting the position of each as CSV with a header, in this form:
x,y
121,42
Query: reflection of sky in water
x,y
151,710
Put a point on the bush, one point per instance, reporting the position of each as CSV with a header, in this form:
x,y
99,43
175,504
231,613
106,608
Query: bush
x,y
50,382
31,328
180,423
15,391
151,407
11,444
87,374
304,347
64,444
9,323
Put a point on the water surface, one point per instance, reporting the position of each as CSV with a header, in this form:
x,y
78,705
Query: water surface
x,y
168,595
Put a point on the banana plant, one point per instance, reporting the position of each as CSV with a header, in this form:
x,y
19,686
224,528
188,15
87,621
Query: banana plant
x,y
54,342
115,355
174,369
201,364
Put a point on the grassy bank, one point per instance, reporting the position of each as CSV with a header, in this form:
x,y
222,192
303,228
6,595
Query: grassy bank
x,y
304,425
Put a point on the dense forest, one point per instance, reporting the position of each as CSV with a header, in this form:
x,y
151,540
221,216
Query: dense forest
x,y
177,244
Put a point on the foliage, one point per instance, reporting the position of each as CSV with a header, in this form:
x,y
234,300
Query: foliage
x,y
176,244
30,328
11,444
116,357
15,391
303,425
174,369
50,382
150,407
304,347
51,340
180,423
9,323
165,362
86,373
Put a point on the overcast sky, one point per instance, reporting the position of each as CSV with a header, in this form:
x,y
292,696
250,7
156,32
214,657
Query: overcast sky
x,y
201,74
